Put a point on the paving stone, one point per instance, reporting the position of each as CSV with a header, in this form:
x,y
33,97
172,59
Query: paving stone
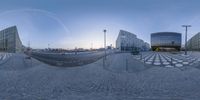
x,y
185,63
169,66
166,63
157,63
174,62
148,62
180,61
178,65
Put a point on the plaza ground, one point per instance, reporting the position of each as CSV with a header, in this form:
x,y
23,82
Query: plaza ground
x,y
122,76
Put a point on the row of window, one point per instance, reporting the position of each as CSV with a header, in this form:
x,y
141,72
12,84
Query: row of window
x,y
166,40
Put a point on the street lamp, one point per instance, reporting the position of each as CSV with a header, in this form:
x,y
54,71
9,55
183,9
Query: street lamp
x,y
28,44
91,46
105,41
48,46
186,29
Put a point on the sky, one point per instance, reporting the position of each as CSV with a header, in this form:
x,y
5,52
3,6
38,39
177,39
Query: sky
x,y
80,23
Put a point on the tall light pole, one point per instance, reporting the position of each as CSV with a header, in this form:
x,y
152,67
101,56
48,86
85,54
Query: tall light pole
x,y
186,29
48,46
28,44
105,41
91,46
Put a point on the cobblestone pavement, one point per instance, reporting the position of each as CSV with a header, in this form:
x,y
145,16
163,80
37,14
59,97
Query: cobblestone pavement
x,y
120,77
165,59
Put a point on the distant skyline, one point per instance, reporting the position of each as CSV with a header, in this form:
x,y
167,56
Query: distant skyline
x,y
80,23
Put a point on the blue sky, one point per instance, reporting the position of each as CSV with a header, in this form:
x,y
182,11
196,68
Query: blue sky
x,y
80,23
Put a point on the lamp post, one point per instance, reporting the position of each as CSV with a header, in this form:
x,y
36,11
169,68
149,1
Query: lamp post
x,y
91,46
28,44
186,29
48,46
105,41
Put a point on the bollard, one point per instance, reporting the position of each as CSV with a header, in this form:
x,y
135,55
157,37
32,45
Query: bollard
x,y
171,61
126,64
104,63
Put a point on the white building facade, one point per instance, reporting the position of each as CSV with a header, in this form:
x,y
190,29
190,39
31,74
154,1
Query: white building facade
x,y
194,42
127,41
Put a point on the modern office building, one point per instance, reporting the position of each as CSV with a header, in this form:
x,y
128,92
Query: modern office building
x,y
127,41
166,41
10,41
194,42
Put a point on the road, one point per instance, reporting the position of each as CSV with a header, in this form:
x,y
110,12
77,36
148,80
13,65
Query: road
x,y
72,59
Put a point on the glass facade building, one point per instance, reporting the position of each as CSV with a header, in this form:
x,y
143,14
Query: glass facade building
x,y
10,41
166,40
